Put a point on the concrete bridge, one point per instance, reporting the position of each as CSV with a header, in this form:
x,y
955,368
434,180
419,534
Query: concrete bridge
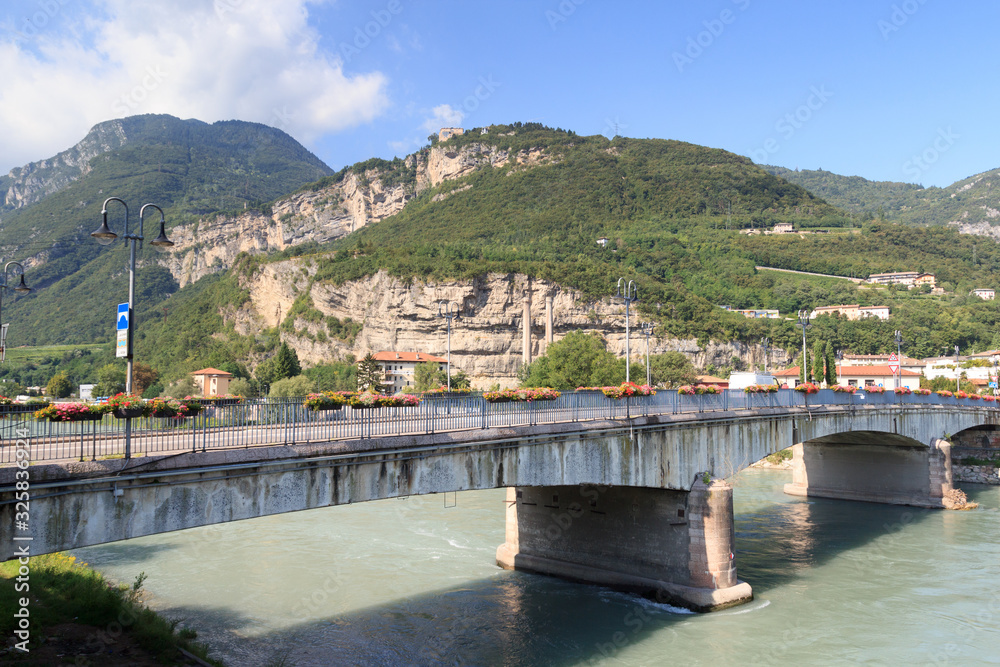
x,y
636,503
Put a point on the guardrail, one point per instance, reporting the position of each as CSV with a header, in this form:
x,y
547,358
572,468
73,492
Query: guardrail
x,y
258,422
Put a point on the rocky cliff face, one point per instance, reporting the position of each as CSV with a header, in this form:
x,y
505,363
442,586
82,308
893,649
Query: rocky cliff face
x,y
486,342
28,184
212,244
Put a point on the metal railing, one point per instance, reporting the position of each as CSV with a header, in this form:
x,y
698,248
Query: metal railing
x,y
259,422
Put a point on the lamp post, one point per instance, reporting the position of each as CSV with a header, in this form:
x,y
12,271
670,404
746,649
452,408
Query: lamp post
x,y
445,311
22,288
804,323
899,357
631,294
105,236
647,330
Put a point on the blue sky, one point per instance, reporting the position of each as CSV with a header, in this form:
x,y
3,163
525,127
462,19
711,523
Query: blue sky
x,y
896,90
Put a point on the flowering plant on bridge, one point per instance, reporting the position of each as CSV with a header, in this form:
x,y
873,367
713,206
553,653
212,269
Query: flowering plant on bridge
x,y
70,412
975,397
172,408
844,388
945,393
368,400
922,392
874,389
761,389
326,400
688,390
806,388
125,405
903,391
627,390
6,401
525,395
987,397
227,399
961,394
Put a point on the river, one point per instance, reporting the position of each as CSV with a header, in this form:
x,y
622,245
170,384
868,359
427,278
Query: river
x,y
413,582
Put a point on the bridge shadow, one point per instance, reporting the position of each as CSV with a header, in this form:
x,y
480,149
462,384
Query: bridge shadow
x,y
514,618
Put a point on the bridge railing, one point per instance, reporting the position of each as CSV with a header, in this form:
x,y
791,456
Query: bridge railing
x,y
286,421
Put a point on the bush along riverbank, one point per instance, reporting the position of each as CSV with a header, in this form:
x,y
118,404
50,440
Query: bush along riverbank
x,y
76,616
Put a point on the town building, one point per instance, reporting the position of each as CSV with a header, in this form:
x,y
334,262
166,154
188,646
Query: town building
x,y
783,228
754,313
212,381
721,383
879,376
908,278
399,368
852,311
985,294
905,362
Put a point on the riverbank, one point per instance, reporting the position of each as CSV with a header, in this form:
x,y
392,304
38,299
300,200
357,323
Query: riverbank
x,y
76,616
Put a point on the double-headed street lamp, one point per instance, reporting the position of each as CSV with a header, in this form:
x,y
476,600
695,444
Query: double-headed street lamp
x,y
630,294
647,330
445,310
22,288
105,236
804,323
899,357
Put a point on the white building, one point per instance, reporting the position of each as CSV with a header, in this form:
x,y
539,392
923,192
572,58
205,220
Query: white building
x,y
985,294
880,376
400,366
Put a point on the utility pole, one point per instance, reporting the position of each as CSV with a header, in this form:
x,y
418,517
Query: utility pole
x,y
804,323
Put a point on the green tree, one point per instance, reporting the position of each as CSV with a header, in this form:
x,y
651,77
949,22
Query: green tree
x,y
110,380
242,387
59,386
371,376
460,380
671,369
577,360
818,368
143,377
335,376
428,375
831,365
293,387
286,363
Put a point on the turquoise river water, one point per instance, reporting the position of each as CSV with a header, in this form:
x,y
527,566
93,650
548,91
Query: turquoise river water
x,y
414,582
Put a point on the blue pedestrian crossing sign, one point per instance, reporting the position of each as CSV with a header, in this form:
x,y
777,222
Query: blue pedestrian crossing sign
x,y
122,317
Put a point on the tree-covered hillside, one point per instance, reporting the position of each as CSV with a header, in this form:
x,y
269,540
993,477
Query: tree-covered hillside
x,y
187,167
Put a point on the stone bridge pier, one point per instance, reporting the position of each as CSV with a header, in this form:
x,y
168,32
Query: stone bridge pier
x,y
878,468
672,546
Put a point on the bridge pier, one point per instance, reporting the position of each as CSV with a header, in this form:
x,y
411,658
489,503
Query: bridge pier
x,y
917,475
674,546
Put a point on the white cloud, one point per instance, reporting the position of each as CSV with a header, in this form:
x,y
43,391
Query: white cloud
x,y
255,60
444,116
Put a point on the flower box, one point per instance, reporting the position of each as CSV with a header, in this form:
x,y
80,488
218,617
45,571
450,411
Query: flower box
x,y
326,400
521,395
761,389
844,388
806,388
628,390
874,389
128,413
70,412
369,401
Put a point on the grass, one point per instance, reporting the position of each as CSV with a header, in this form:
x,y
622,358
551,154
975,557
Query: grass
x,y
63,591
973,461
779,457
35,354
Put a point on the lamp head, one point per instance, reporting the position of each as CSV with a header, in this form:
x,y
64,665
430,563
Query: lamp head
x,y
104,235
161,241
22,288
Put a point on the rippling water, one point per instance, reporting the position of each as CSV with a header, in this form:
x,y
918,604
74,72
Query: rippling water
x,y
413,582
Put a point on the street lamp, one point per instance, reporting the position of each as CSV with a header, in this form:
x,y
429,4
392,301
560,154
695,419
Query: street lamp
x,y
899,357
105,236
647,330
22,288
804,323
631,294
445,311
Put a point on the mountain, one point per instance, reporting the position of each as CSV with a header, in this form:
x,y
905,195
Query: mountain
x,y
187,167
972,204
358,260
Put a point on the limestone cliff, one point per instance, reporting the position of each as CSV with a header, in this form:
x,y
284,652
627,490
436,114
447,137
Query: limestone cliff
x,y
212,244
486,342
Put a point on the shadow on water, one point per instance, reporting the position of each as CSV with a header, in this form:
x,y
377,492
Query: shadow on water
x,y
125,553
514,618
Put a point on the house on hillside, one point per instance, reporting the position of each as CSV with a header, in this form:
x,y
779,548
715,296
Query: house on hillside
x,y
783,228
400,366
212,381
852,311
984,293
907,278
